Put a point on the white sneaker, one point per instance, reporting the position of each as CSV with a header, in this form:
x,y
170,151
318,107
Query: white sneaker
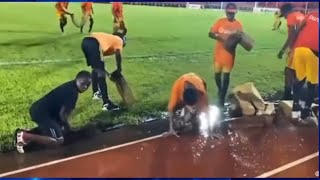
x,y
110,107
97,96
295,114
20,142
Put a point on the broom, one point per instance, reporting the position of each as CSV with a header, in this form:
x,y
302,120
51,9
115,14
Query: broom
x,y
82,22
122,86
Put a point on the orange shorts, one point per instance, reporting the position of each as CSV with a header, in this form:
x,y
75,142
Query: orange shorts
x,y
223,61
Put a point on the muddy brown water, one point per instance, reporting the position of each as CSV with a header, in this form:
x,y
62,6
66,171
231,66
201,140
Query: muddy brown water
x,y
244,149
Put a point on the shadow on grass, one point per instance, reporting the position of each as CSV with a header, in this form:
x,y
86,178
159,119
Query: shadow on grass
x,y
28,31
32,42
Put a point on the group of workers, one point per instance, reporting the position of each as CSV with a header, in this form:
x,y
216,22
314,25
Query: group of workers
x,y
189,91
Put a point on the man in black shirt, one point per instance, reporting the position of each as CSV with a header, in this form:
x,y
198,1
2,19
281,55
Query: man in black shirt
x,y
52,111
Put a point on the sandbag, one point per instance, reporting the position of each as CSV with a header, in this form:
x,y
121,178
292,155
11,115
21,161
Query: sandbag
x,y
246,41
246,100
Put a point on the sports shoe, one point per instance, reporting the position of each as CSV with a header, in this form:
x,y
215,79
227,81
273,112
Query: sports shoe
x,y
110,107
97,96
19,142
295,114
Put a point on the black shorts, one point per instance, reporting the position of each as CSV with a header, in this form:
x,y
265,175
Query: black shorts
x,y
91,49
47,125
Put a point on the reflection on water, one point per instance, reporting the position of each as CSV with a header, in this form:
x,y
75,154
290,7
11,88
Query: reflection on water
x,y
249,149
208,121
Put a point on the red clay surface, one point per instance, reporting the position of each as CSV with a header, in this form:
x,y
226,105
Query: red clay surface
x,y
240,153
307,169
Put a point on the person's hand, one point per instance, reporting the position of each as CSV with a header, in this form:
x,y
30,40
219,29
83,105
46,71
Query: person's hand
x,y
171,132
101,73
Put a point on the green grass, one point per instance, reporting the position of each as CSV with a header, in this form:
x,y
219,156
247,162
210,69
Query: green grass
x,y
163,43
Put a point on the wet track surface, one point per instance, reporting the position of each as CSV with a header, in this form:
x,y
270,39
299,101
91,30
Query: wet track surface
x,y
241,152
14,161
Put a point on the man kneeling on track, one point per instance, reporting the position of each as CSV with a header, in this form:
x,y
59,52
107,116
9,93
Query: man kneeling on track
x,y
190,92
94,48
52,112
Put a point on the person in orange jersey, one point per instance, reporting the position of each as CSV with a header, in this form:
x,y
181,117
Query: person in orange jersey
x,y
94,47
87,12
118,19
293,18
189,91
62,10
224,58
305,62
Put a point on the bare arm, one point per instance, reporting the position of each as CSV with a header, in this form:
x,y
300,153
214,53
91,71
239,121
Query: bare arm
x,y
296,33
64,117
172,105
171,116
289,38
65,10
216,36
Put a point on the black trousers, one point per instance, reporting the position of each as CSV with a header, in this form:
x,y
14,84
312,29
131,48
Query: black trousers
x,y
91,49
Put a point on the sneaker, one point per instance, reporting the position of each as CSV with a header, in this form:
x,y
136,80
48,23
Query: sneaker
x,y
97,96
110,107
19,142
295,114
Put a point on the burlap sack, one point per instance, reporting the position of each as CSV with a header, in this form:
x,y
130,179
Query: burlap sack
x,y
246,42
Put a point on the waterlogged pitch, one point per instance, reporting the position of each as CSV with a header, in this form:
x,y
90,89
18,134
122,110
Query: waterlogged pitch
x,y
162,44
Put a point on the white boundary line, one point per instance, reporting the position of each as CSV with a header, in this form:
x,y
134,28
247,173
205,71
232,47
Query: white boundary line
x,y
78,156
287,166
165,55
